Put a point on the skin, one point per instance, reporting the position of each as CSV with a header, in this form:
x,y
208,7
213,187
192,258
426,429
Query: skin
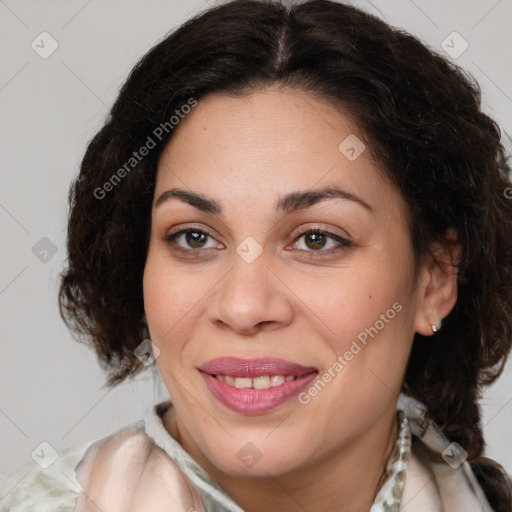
x,y
295,301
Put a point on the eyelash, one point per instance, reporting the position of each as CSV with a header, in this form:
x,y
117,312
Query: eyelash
x,y
343,242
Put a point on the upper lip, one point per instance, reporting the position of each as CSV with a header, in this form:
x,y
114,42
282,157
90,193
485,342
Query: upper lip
x,y
237,367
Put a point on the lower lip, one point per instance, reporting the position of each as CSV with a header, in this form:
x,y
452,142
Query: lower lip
x,y
256,401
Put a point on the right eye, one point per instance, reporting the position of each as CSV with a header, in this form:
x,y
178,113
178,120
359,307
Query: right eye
x,y
191,240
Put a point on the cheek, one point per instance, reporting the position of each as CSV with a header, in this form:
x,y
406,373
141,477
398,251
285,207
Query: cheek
x,y
169,294
174,302
348,303
365,318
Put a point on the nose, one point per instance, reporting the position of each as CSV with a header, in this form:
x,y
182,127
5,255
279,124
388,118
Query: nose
x,y
251,298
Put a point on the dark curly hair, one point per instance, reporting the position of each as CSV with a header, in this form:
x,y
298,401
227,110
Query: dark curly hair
x,y
423,116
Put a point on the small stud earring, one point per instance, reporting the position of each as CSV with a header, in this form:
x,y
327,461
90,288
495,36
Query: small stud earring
x,y
434,328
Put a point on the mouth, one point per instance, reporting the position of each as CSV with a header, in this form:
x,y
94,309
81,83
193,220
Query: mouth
x,y
255,386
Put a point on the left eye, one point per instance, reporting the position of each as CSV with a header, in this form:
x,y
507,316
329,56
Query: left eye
x,y
321,241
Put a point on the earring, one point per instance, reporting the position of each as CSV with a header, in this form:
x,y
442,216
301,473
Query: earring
x,y
435,328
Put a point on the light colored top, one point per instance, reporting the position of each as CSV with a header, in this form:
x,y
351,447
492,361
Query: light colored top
x,y
142,468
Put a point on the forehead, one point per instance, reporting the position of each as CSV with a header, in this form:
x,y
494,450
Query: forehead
x,y
266,144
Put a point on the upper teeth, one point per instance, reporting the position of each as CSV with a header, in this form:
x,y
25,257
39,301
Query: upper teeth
x,y
263,382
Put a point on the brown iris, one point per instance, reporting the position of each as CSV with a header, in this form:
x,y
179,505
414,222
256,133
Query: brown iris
x,y
315,240
195,238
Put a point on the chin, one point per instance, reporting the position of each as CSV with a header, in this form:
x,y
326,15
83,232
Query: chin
x,y
257,459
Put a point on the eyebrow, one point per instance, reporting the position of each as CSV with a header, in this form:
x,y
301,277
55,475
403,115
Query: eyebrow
x,y
289,203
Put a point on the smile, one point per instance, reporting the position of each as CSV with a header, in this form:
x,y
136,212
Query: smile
x,y
255,386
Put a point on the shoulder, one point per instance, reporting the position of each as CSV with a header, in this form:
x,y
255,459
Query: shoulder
x,y
117,472
128,471
31,486
54,485
433,486
438,477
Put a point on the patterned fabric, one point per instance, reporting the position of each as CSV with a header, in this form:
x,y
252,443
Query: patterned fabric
x,y
389,497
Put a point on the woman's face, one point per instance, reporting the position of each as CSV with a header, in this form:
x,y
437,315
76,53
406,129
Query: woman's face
x,y
296,250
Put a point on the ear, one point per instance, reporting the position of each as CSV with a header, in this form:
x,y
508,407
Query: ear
x,y
437,291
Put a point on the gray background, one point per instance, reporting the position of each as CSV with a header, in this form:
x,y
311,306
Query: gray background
x,y
51,386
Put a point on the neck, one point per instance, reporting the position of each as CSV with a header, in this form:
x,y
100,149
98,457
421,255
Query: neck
x,y
346,480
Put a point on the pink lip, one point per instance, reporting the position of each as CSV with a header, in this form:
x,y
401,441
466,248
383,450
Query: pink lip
x,y
255,401
237,367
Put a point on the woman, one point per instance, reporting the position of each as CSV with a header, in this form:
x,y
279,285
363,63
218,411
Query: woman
x,y
302,216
